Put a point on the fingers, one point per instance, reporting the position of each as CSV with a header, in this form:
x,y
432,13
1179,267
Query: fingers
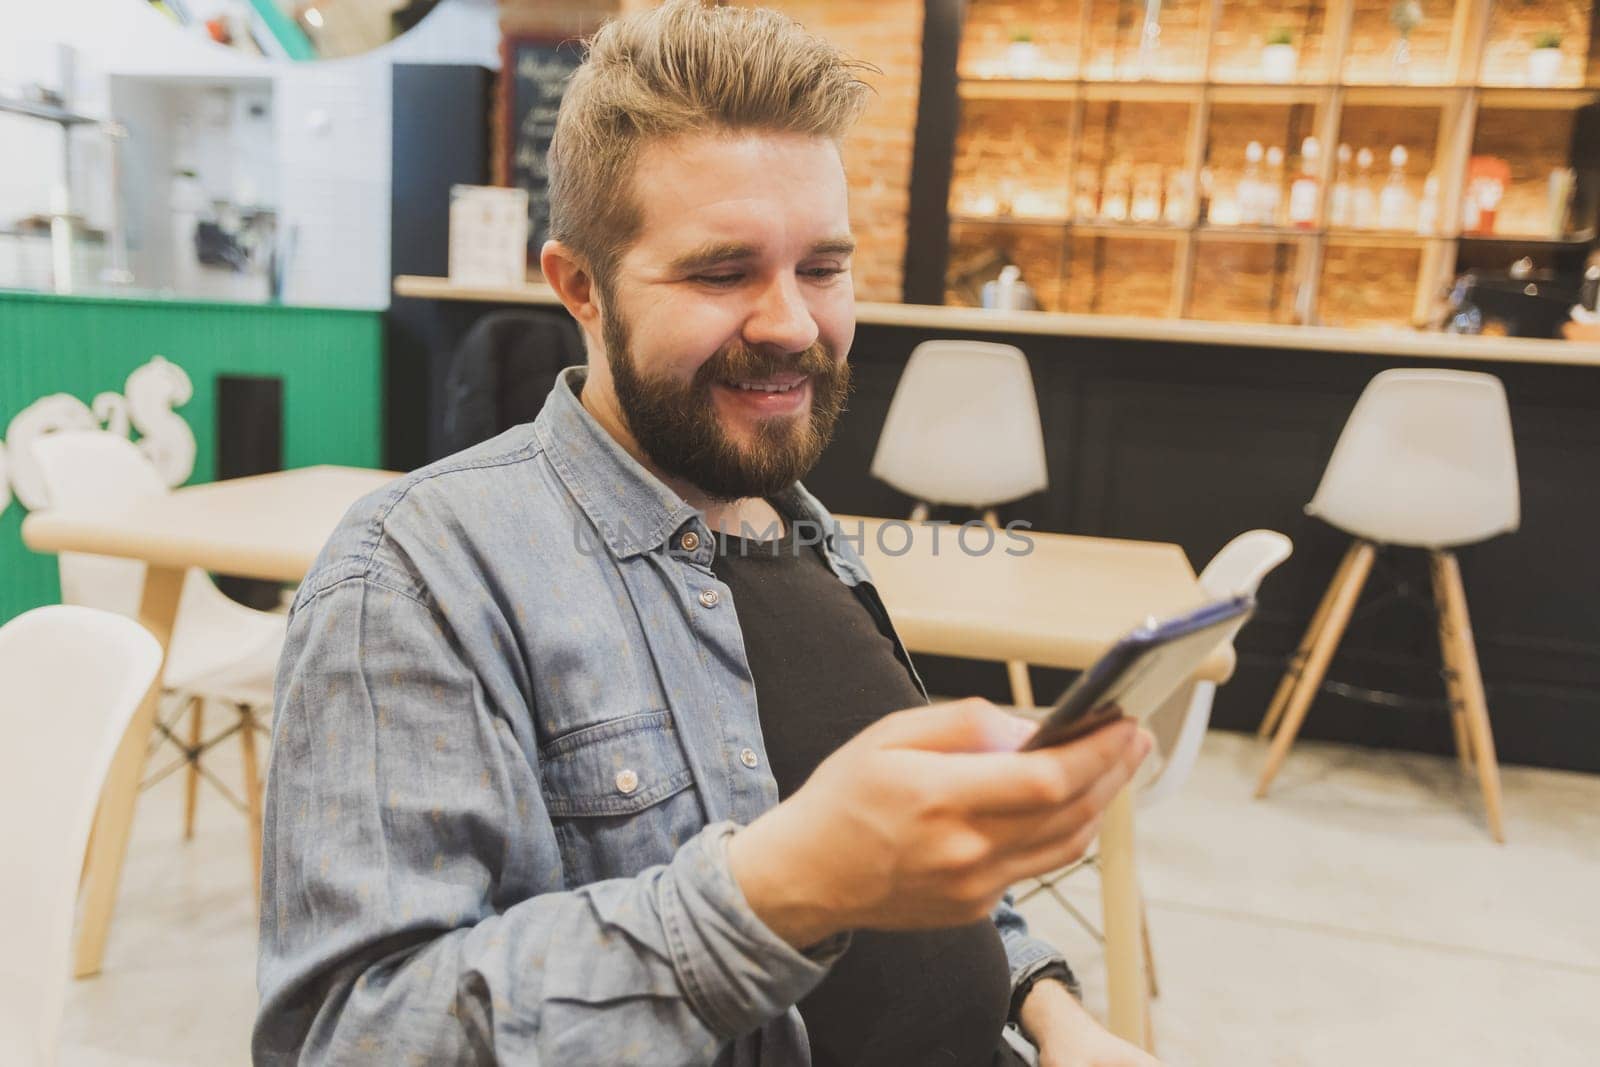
x,y
971,725
1058,824
1030,782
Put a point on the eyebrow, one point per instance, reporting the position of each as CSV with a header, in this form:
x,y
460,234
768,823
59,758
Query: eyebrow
x,y
730,251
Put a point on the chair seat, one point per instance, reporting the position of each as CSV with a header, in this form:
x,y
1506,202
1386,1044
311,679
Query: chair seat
x,y
1426,460
236,665
1385,521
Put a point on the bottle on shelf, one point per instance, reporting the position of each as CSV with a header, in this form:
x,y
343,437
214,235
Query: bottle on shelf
x,y
1208,181
1145,205
1303,194
1363,203
1180,196
1086,196
1248,198
1394,203
1272,189
1114,204
1339,195
1428,209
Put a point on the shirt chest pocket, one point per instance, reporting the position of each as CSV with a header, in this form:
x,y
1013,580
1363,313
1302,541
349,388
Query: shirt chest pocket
x,y
621,796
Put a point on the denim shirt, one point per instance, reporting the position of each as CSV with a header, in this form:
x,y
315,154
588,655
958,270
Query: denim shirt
x,y
515,727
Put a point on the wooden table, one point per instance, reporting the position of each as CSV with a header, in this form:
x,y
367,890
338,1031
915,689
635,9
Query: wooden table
x,y
270,526
1058,606
1061,605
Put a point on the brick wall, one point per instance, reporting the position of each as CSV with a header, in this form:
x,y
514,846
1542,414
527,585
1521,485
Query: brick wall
x,y
1008,153
1532,142
1244,281
1513,27
1119,275
1242,30
979,250
877,154
1373,39
1363,286
991,24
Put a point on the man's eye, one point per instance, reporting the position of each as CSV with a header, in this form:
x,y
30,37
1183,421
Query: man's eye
x,y
823,272
719,279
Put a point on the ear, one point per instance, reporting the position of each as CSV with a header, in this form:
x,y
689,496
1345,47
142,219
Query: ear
x,y
573,284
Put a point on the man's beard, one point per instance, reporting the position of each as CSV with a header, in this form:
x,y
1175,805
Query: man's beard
x,y
677,424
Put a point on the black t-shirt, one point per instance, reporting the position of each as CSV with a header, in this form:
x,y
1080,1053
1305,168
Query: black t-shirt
x,y
823,671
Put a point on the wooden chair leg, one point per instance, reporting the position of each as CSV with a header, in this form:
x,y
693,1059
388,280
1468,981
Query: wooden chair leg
x,y
1297,662
1126,994
1321,653
191,784
1149,955
252,794
158,608
1021,684
1455,636
1458,726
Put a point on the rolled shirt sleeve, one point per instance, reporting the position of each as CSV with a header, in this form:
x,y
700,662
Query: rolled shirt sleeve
x,y
1026,955
413,909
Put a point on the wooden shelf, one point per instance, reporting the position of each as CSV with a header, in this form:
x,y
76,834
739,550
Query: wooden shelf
x,y
1164,231
1508,99
1096,227
1270,234
1368,94
1009,220
1268,93
48,112
1340,96
1403,95
1381,238
1155,92
1578,239
1018,89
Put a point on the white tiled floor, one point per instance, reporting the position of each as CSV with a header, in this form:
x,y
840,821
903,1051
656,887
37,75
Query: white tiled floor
x,y
1359,916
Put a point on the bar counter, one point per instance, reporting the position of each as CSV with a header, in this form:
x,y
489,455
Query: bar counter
x,y
1408,344
1192,432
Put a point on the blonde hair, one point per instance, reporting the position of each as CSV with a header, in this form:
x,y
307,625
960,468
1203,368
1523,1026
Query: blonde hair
x,y
682,68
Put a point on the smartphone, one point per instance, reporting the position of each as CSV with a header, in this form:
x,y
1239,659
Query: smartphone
x,y
1141,671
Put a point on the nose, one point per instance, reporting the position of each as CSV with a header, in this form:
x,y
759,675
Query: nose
x,y
781,318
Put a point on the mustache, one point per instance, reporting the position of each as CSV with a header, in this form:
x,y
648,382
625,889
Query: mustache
x,y
741,362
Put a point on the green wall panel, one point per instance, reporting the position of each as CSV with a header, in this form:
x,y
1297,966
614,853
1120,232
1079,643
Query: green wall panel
x,y
330,361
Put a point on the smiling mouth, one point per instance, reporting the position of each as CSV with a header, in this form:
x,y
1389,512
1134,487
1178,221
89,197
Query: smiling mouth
x,y
784,384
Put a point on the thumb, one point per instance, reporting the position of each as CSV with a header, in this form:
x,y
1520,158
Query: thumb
x,y
971,725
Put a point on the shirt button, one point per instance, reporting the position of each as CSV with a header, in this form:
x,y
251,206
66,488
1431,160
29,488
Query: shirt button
x,y
709,597
749,758
627,782
689,541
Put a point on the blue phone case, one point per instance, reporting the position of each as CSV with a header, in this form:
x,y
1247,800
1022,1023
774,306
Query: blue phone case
x,y
1141,671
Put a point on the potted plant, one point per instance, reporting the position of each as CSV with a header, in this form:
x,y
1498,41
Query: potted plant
x,y
1022,55
1278,57
1405,16
1544,62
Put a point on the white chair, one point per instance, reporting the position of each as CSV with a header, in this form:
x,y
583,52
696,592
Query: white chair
x,y
1179,725
1426,460
220,650
73,678
963,429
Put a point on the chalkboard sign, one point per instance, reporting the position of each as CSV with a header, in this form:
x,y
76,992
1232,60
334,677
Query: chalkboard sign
x,y
533,76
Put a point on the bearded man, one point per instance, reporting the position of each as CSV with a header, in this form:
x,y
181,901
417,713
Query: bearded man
x,y
582,753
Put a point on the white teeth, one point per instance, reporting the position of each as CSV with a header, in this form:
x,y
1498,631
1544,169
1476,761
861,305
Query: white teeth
x,y
764,387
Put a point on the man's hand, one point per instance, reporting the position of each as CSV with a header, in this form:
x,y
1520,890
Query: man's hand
x,y
924,819
1068,1036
